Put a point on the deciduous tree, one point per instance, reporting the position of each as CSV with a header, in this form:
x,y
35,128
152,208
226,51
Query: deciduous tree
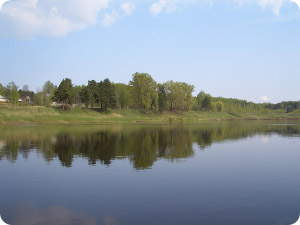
x,y
143,91
162,98
220,106
11,92
123,95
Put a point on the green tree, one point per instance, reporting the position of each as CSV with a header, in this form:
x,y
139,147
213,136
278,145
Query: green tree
x,y
200,97
48,93
93,86
38,98
171,91
11,93
107,94
179,95
162,98
289,109
195,105
143,91
48,87
15,96
187,91
77,89
86,96
123,95
213,107
64,94
206,103
220,106
2,90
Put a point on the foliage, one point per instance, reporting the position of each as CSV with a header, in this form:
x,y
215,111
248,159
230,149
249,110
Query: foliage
x,y
219,106
64,94
15,96
92,85
162,98
48,93
232,105
179,95
38,98
86,96
206,104
289,106
11,93
200,97
143,91
48,87
106,93
2,90
77,89
103,93
122,95
213,107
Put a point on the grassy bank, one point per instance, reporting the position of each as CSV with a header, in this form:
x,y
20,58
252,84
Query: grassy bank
x,y
44,115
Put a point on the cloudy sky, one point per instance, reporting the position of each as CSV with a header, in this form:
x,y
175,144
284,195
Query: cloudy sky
x,y
247,49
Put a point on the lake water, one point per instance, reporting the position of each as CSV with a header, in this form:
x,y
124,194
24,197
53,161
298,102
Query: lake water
x,y
213,173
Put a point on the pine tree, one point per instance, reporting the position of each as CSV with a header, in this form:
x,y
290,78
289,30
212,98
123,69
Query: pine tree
x,y
64,94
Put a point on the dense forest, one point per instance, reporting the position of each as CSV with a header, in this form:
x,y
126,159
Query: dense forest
x,y
142,93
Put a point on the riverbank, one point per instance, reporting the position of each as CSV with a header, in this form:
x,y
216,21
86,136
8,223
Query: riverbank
x,y
43,115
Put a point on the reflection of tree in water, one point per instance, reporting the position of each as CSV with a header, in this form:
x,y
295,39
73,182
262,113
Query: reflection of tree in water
x,y
142,145
175,144
10,150
204,138
98,146
64,148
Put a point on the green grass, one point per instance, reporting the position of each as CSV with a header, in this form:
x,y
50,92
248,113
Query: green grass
x,y
44,115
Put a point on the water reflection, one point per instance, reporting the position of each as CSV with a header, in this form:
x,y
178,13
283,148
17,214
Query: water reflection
x,y
141,145
28,214
233,173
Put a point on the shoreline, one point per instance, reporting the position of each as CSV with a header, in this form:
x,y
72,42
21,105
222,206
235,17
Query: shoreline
x,y
40,115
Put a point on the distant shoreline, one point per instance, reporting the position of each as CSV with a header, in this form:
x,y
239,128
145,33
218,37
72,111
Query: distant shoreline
x,y
50,115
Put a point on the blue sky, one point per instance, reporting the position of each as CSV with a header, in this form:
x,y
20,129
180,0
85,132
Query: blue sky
x,y
247,49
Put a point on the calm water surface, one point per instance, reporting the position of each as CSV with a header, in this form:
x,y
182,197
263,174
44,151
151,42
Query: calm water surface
x,y
229,173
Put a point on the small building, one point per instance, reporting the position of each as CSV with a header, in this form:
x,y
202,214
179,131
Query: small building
x,y
2,99
27,100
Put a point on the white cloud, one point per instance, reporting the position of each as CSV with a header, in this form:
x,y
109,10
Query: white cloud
x,y
128,8
167,5
297,2
264,98
110,18
275,5
2,2
161,6
30,18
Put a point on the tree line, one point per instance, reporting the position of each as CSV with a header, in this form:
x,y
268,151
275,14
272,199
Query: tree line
x,y
142,93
